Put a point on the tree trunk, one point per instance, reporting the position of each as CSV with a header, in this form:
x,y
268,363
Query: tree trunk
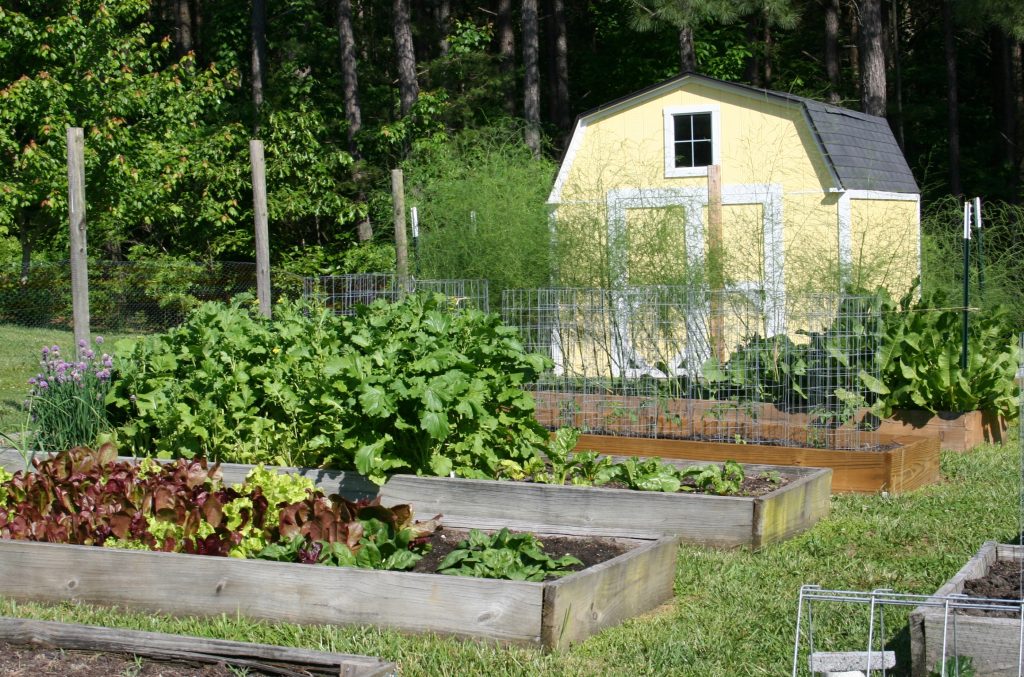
x,y
768,41
562,113
832,69
259,59
1017,68
26,246
531,76
872,58
507,52
1006,96
350,102
405,52
444,16
183,27
753,73
897,61
952,114
197,31
349,73
687,54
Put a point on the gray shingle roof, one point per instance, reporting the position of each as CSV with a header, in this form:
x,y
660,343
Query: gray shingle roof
x,y
860,148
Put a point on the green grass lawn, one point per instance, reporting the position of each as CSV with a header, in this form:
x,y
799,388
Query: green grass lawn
x,y
19,361
734,612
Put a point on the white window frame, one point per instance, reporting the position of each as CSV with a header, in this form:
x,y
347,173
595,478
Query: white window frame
x,y
671,171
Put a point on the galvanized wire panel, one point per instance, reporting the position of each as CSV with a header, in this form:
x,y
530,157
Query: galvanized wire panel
x,y
128,296
737,365
343,293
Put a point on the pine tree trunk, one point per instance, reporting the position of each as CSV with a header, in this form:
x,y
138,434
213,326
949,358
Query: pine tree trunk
x,y
897,61
183,27
1005,101
768,43
753,69
872,58
531,76
259,59
444,17
952,96
507,52
405,53
562,113
687,54
1017,69
832,69
349,72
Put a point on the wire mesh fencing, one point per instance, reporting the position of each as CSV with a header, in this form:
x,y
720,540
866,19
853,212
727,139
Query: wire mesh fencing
x,y
737,366
343,293
127,297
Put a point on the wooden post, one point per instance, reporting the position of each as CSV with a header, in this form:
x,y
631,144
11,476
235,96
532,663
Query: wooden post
x,y
716,262
259,212
401,242
79,248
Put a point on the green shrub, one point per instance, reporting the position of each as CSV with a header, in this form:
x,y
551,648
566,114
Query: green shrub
x,y
410,385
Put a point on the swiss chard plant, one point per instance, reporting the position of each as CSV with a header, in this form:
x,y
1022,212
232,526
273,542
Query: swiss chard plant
x,y
516,557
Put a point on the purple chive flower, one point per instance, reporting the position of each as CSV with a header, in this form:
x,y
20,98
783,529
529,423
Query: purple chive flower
x,y
32,381
89,354
46,351
43,385
103,374
82,343
108,361
99,340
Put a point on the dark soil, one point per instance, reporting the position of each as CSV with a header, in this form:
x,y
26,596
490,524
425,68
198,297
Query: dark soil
x,y
753,485
1001,582
21,661
590,551
775,442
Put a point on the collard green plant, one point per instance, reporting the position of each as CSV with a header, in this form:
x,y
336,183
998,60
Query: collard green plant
x,y
649,474
516,557
721,480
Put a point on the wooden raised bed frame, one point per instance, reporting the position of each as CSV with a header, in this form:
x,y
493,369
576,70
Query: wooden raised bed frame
x,y
956,431
551,615
975,635
721,521
166,647
912,464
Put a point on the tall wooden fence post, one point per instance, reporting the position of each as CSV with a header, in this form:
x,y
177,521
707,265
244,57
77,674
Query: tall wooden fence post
x,y
79,249
259,212
401,242
716,262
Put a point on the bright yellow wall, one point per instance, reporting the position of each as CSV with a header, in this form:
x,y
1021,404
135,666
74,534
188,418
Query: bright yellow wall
x,y
885,244
762,141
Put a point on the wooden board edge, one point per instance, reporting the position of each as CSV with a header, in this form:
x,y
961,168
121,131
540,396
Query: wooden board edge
x,y
799,509
164,646
650,578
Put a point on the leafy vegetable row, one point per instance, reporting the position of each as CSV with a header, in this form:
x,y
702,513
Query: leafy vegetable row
x,y
88,497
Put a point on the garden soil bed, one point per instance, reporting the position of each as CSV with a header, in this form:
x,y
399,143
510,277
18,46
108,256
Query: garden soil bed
x,y
720,521
990,638
910,464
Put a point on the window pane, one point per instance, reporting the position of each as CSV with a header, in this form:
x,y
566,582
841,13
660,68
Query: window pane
x,y
684,154
684,132
702,126
701,153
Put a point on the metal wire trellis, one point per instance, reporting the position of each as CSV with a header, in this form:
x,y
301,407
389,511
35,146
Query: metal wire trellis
x,y
124,296
344,292
664,361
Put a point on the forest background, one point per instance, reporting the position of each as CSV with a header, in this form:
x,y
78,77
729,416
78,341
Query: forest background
x,y
475,100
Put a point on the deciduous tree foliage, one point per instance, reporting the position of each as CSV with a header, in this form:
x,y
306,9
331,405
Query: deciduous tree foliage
x,y
168,92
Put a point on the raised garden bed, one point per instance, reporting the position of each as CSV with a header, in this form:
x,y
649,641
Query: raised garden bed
x,y
722,521
956,431
552,614
992,642
265,658
908,462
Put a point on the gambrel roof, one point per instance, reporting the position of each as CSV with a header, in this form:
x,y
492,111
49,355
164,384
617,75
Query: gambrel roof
x,y
860,149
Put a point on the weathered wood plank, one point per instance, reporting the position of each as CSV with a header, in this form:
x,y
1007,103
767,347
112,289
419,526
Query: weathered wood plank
x,y
577,606
507,611
793,508
713,520
351,485
912,465
162,646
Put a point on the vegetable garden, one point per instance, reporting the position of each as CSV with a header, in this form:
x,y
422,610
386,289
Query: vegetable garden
x,y
434,403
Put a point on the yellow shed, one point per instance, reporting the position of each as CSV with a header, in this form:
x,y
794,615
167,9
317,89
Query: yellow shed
x,y
812,195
